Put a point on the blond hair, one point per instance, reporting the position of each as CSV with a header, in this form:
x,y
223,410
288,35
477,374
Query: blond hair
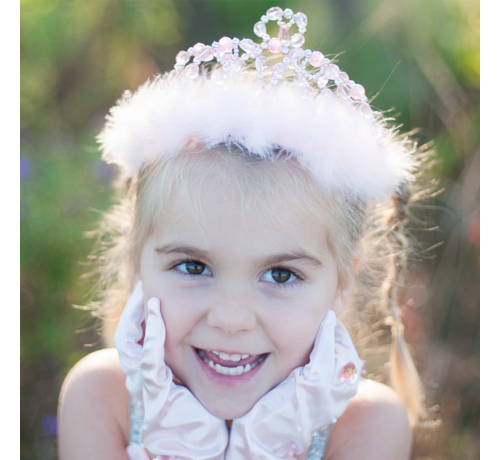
x,y
350,222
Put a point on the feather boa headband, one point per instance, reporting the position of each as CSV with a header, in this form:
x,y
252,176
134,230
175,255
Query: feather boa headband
x,y
333,134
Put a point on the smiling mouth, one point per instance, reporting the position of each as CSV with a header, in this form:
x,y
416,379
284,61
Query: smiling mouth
x,y
234,364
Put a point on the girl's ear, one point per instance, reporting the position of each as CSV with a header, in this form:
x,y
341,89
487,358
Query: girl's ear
x,y
358,254
135,273
346,285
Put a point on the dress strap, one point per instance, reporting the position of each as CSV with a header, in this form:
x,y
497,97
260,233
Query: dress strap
x,y
319,442
136,420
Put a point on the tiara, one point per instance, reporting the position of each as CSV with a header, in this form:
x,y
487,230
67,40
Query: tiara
x,y
310,67
222,94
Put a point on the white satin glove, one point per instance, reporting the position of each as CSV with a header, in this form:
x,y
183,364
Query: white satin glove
x,y
282,422
175,422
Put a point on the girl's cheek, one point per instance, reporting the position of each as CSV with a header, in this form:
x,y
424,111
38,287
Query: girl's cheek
x,y
180,311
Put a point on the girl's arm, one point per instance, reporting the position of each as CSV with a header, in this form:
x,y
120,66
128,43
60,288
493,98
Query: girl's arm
x,y
374,426
93,410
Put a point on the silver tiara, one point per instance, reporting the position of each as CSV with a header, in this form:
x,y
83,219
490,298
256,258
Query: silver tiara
x,y
310,67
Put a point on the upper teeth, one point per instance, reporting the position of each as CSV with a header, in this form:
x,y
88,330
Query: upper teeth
x,y
231,370
227,357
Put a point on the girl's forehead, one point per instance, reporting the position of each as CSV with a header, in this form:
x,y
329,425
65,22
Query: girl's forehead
x,y
215,216
217,183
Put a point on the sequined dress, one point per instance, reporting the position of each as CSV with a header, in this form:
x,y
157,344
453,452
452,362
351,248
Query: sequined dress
x,y
316,451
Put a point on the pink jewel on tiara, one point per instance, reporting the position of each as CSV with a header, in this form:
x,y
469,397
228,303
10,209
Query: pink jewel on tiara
x,y
283,34
357,92
310,67
226,45
275,45
197,49
316,59
349,374
332,71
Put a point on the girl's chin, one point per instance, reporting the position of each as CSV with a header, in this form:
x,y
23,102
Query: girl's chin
x,y
227,408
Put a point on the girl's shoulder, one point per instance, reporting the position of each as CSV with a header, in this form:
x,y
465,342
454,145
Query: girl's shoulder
x,y
94,418
375,425
93,408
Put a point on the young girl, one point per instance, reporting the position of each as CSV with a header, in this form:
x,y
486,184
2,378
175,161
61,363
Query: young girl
x,y
252,204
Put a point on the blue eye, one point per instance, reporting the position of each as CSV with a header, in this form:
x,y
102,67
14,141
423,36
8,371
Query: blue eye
x,y
194,268
279,276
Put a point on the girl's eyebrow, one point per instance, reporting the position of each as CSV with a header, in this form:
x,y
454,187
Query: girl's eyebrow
x,y
275,259
289,256
190,251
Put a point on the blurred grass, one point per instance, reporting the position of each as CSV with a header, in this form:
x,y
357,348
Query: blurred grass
x,y
76,59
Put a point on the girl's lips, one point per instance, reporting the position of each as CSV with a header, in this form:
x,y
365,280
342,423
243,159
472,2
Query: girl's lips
x,y
216,359
219,373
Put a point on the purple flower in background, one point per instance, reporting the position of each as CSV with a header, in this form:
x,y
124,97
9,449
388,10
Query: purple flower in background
x,y
103,170
107,171
25,167
49,425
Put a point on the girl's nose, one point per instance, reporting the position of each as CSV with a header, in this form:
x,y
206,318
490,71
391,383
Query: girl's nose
x,y
232,313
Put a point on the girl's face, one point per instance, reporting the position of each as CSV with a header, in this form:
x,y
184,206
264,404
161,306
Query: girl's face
x,y
242,295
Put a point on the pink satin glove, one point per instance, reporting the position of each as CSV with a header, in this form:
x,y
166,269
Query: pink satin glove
x,y
175,422
136,452
127,337
282,422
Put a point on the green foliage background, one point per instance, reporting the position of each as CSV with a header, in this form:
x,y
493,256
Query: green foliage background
x,y
76,59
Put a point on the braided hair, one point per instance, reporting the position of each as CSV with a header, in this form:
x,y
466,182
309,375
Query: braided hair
x,y
403,374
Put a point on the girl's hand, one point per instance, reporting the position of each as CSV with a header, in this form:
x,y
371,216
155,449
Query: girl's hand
x,y
136,452
175,422
128,336
282,422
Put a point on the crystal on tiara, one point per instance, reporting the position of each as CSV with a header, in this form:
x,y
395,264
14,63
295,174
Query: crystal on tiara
x,y
247,45
182,58
343,91
275,13
278,70
344,78
261,64
310,67
297,40
192,70
301,20
259,29
296,55
207,54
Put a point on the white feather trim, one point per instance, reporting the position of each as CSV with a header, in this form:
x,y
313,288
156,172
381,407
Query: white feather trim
x,y
328,136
